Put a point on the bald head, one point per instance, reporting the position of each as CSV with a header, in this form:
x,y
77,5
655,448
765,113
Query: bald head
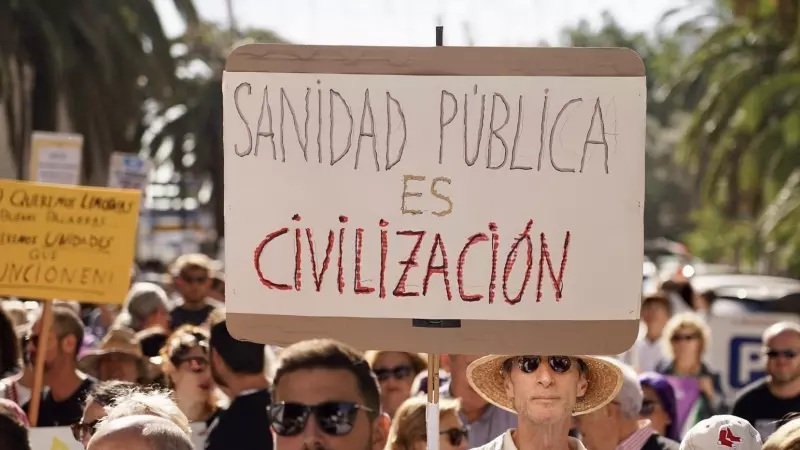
x,y
139,433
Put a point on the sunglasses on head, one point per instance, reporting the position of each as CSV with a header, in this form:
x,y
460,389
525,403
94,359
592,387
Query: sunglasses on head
x,y
789,354
333,418
529,364
684,337
82,429
456,435
398,373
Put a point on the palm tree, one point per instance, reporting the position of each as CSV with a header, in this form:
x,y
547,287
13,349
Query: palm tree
x,y
192,122
83,66
743,141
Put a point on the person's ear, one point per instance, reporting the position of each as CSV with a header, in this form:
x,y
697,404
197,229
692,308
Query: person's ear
x,y
583,385
380,431
508,384
445,363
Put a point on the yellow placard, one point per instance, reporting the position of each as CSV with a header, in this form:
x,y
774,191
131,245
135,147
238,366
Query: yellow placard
x,y
72,243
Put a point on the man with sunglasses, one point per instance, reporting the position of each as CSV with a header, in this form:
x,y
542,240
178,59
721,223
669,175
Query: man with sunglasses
x,y
66,387
617,425
765,401
326,398
238,368
545,391
192,278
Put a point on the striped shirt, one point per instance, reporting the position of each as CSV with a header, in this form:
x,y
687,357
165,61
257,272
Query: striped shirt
x,y
637,440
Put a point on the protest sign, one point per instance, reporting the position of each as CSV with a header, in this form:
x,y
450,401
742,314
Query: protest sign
x,y
53,438
497,192
55,158
128,171
66,242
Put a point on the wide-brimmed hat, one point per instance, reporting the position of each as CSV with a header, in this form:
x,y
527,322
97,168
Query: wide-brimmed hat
x,y
604,380
121,341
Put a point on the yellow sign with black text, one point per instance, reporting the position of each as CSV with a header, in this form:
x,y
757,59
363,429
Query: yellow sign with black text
x,y
72,243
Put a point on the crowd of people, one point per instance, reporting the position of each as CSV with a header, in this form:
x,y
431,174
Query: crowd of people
x,y
162,371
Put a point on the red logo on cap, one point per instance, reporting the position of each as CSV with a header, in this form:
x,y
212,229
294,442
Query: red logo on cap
x,y
727,438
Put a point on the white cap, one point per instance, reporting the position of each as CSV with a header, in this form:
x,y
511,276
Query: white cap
x,y
722,432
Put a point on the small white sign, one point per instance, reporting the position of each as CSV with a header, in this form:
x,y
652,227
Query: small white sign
x,y
53,438
442,197
129,171
56,158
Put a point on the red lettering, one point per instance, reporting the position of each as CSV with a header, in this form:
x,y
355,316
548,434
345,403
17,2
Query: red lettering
x,y
512,258
318,275
400,289
358,288
495,246
340,278
298,261
257,261
384,250
437,243
474,239
558,283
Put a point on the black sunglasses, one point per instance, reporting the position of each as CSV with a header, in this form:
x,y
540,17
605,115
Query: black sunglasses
x,y
398,373
190,279
648,407
456,435
197,364
333,418
81,429
529,364
789,354
684,337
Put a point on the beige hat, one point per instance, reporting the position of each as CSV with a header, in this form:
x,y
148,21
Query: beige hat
x,y
117,341
487,377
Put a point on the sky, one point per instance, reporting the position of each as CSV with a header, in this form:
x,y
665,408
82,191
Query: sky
x,y
412,22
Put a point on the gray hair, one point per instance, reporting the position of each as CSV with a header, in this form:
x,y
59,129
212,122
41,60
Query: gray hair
x,y
149,403
159,433
143,300
630,396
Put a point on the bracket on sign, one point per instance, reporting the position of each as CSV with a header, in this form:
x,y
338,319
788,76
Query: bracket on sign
x,y
430,323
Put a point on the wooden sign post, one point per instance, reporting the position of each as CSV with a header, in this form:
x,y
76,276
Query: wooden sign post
x,y
440,200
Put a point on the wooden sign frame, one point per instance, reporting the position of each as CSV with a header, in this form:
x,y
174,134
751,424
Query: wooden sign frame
x,y
459,336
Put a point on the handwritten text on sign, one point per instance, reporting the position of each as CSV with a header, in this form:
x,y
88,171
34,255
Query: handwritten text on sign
x,y
500,198
64,242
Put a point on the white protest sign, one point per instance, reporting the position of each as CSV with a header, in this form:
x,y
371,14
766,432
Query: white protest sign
x,y
53,438
128,171
483,198
55,158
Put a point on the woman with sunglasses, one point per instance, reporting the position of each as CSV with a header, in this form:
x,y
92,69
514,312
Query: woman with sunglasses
x,y
395,372
184,360
659,404
408,430
686,340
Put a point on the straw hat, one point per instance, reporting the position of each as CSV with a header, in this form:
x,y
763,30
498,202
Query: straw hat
x,y
121,341
487,377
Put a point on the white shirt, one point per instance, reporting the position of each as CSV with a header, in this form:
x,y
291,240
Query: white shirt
x,y
505,442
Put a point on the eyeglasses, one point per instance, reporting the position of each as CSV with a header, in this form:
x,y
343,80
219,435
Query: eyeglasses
x,y
333,418
684,337
529,364
648,408
196,279
456,435
398,373
82,429
788,354
197,364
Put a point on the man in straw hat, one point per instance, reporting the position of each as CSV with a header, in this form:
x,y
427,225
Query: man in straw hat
x,y
119,358
545,392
